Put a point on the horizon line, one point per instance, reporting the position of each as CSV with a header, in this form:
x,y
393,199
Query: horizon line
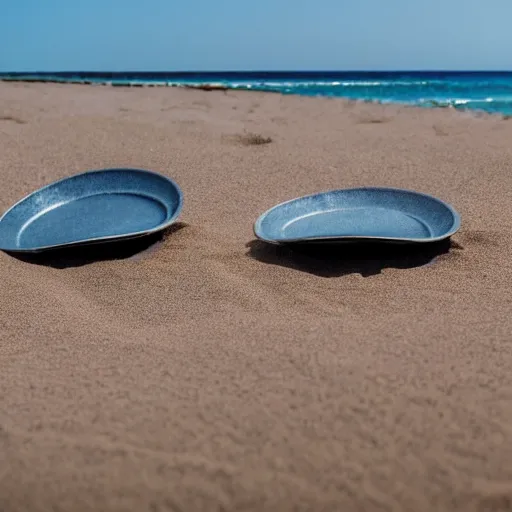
x,y
269,71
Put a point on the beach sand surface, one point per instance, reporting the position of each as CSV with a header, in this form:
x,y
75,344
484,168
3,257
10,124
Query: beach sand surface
x,y
211,372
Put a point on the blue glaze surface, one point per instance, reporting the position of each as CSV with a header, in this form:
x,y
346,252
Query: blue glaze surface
x,y
369,213
94,206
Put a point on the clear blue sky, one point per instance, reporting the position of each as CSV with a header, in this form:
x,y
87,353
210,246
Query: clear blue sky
x,y
177,35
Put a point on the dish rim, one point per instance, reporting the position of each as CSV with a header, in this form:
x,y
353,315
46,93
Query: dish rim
x,y
455,215
107,238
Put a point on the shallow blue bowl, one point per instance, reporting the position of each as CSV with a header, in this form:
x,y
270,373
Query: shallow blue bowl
x,y
364,214
91,207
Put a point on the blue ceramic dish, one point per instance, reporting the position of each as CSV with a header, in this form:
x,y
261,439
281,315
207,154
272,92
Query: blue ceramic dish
x,y
95,206
364,214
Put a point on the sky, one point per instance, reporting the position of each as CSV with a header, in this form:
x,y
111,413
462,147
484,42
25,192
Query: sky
x,y
239,35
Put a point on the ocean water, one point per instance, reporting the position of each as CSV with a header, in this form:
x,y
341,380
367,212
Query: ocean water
x,y
481,91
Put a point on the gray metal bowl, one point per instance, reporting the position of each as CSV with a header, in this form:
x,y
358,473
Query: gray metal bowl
x,y
91,207
371,214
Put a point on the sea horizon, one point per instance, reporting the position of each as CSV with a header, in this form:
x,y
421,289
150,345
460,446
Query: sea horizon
x,y
477,90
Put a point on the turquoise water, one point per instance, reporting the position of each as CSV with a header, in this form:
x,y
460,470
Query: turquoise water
x,y
484,91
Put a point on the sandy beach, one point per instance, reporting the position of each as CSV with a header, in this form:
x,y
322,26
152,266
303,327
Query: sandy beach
x,y
211,372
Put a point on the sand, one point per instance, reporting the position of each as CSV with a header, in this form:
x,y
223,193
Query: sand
x,y
211,372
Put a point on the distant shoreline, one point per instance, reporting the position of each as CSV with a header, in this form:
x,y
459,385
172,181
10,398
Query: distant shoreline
x,y
204,87
210,87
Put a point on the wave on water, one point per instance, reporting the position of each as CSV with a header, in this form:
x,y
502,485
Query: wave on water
x,y
487,91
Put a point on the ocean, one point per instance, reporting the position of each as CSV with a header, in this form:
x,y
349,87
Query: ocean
x,y
469,90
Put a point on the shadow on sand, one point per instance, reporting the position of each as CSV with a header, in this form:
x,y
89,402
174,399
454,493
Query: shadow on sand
x,y
80,255
335,260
